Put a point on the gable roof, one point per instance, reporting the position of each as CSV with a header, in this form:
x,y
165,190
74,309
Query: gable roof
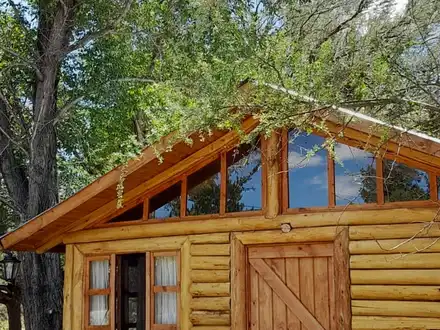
x,y
98,200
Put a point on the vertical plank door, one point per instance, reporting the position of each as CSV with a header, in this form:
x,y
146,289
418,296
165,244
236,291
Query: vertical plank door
x,y
291,287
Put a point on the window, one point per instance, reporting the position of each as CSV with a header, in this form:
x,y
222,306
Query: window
x,y
404,183
166,204
146,294
134,213
130,309
243,191
307,170
355,176
98,303
165,287
204,190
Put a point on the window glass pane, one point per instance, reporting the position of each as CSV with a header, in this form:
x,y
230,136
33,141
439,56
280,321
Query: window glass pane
x,y
165,269
244,178
132,309
165,308
307,163
166,204
134,213
355,176
204,190
99,312
404,183
99,274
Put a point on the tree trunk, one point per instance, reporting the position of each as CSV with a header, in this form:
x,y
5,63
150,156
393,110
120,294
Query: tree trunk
x,y
42,283
14,314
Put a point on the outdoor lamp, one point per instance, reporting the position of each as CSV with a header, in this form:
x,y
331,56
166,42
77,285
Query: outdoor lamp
x,y
9,267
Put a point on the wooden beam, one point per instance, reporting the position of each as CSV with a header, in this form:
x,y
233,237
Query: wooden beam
x,y
238,283
272,159
210,289
133,245
226,225
223,182
342,280
78,290
319,234
386,246
206,154
185,285
375,232
433,187
396,276
396,308
331,180
394,323
68,288
379,181
395,261
396,292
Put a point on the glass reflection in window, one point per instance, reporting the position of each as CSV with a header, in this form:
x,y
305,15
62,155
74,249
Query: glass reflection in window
x,y
355,176
204,190
243,192
404,183
166,204
307,170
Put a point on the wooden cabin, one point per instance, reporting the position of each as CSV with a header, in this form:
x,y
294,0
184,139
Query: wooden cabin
x,y
278,234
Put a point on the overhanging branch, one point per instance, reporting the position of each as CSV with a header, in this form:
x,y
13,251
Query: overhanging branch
x,y
111,27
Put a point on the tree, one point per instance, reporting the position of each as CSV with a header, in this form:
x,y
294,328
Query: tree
x,y
86,84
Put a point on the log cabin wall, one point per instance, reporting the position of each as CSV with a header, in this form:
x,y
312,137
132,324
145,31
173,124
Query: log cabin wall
x,y
393,258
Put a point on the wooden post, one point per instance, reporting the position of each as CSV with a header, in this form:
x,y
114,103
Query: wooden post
x,y
342,280
273,174
185,285
68,282
238,285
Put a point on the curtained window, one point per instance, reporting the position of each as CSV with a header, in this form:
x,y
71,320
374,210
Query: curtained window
x,y
165,287
98,292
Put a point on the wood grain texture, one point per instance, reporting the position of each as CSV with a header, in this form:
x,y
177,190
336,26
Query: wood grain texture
x,y
292,282
210,289
395,246
238,285
185,285
210,318
68,288
210,304
214,238
278,265
395,261
254,321
396,292
342,280
272,160
396,276
394,323
395,308
78,290
291,251
321,280
210,249
213,276
373,232
210,262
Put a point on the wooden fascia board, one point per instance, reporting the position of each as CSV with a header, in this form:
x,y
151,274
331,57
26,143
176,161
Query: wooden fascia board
x,y
394,147
93,189
132,197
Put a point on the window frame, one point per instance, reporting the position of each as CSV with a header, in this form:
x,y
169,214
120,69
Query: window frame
x,y
183,178
151,289
380,202
110,291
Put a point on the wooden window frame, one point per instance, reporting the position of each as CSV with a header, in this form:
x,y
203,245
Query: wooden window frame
x,y
183,178
151,289
380,202
110,292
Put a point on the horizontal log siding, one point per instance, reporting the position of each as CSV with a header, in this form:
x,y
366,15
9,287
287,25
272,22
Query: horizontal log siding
x,y
395,276
210,282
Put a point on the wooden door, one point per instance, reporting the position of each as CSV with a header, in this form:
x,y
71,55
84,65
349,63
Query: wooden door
x,y
291,287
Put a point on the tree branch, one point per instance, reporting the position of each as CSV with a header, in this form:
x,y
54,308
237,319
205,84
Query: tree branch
x,y
101,33
28,62
66,108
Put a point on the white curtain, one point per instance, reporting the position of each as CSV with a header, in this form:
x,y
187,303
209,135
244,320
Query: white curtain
x,y
165,302
99,279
